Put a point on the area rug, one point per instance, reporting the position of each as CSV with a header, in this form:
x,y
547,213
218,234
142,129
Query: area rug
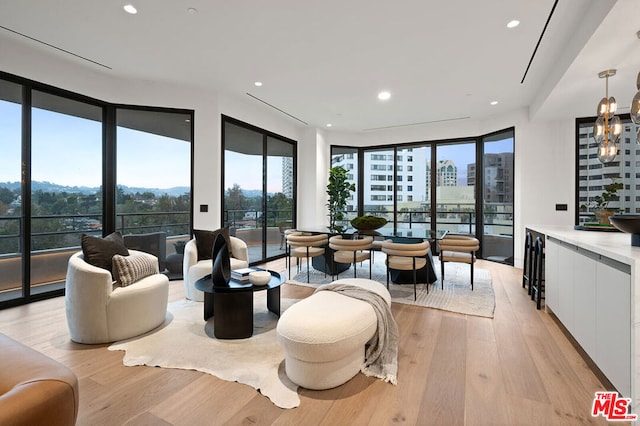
x,y
456,296
183,342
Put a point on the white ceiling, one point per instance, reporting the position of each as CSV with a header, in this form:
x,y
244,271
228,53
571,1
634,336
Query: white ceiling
x,y
325,61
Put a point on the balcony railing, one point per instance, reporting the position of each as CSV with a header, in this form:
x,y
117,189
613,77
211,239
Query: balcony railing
x,y
54,241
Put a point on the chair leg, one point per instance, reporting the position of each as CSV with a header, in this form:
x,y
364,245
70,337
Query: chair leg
x,y
370,262
415,296
387,264
442,273
472,274
355,266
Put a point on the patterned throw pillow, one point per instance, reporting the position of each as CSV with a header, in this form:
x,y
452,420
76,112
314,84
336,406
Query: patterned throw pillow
x,y
129,269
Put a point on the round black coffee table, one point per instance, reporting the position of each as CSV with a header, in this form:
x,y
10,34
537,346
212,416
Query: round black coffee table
x,y
233,305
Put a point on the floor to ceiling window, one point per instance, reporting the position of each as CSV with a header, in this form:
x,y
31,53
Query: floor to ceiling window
x,y
66,182
153,195
438,186
57,179
497,196
11,248
378,180
455,184
259,187
347,158
413,187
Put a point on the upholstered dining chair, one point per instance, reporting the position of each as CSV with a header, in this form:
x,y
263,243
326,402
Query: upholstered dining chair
x,y
351,251
457,248
307,246
406,257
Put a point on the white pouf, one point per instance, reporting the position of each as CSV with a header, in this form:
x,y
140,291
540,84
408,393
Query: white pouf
x,y
324,335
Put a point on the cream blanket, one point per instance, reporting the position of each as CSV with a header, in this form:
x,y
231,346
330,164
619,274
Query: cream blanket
x,y
381,352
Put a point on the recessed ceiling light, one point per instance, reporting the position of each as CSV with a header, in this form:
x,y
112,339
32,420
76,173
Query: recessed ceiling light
x,y
513,23
329,124
129,8
383,96
192,10
258,83
494,102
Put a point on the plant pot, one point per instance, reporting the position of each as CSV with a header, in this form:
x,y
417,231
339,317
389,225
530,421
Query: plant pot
x,y
603,216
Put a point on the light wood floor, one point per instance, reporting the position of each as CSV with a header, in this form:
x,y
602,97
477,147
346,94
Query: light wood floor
x,y
517,368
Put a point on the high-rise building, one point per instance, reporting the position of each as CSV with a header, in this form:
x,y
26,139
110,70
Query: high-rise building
x,y
287,176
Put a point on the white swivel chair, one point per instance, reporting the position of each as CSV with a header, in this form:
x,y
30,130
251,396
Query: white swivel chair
x,y
194,269
99,313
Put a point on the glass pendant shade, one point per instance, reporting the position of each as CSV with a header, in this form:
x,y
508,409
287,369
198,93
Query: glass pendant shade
x,y
607,152
598,130
612,106
635,108
603,107
615,125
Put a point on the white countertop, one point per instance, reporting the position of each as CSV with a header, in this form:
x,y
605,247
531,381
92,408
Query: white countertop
x,y
614,245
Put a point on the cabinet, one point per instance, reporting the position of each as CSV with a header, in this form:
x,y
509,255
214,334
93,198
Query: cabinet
x,y
591,295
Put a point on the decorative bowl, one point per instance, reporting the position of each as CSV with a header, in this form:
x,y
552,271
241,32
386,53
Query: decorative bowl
x,y
368,223
629,223
260,277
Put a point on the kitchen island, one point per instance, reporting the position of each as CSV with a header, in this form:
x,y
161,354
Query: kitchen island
x,y
591,286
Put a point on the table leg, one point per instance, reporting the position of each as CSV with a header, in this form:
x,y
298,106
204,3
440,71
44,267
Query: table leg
x,y
234,315
273,300
208,305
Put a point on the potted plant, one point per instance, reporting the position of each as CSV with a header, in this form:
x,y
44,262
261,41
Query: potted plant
x,y
339,190
600,203
368,223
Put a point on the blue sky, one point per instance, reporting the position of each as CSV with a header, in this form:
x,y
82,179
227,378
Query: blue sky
x,y
67,150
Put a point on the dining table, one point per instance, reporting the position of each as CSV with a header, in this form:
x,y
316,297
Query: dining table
x,y
427,274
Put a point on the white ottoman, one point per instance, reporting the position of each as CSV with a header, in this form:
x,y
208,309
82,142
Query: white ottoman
x,y
324,335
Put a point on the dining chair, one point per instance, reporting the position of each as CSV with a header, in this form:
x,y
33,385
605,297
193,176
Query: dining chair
x,y
307,246
351,251
406,257
457,248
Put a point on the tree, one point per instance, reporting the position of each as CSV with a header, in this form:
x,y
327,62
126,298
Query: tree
x,y
235,198
339,190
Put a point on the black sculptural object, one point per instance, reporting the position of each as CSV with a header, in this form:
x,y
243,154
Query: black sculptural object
x,y
221,271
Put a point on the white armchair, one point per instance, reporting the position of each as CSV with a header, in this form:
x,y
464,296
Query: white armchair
x,y
99,313
193,269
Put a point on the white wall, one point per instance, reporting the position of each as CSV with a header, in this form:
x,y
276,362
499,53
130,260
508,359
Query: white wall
x,y
544,151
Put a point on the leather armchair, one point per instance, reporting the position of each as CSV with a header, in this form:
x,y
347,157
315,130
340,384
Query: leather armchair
x,y
35,389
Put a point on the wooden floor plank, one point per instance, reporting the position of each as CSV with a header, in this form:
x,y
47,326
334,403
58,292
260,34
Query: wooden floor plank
x,y
445,403
517,368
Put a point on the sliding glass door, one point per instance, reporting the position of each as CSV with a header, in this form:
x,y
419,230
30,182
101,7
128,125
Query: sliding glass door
x,y
11,211
259,188
66,183
58,180
497,196
460,186
455,183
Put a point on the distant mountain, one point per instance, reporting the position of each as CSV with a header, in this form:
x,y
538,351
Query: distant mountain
x,y
53,187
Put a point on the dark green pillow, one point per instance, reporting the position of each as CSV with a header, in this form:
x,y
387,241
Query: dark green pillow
x,y
99,251
205,239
